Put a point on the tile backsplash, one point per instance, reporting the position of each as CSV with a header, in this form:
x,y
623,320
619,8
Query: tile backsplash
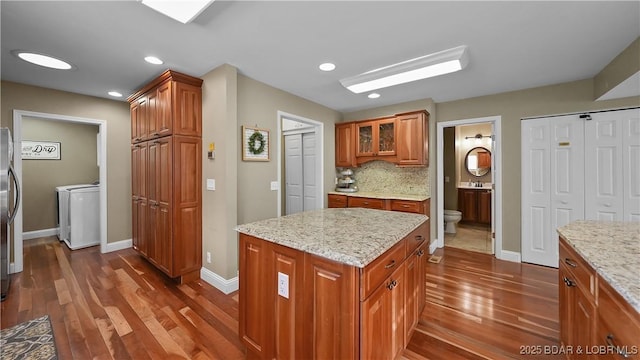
x,y
384,177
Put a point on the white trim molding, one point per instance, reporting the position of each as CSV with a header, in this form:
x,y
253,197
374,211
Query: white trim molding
x,y
118,245
511,256
40,233
433,246
218,282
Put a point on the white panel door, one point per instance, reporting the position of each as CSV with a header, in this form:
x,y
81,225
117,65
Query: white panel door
x,y
309,177
604,199
536,192
293,173
631,160
567,176
552,183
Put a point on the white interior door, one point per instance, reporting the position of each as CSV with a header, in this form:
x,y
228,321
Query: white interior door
x,y
293,173
309,177
603,172
567,176
536,192
631,160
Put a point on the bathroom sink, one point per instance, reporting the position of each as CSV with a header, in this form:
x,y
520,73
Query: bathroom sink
x,y
466,185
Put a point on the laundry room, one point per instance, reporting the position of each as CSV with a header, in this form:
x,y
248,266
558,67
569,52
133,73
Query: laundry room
x,y
60,181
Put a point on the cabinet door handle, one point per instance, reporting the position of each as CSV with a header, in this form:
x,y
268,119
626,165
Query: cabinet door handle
x,y
619,350
420,253
392,284
419,237
405,206
570,262
366,203
568,281
390,265
155,134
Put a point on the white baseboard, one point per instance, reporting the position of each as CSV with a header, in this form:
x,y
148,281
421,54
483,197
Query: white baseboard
x,y
119,245
217,281
433,246
28,235
12,268
510,256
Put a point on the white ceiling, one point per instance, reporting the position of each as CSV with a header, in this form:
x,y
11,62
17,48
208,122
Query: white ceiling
x,y
512,45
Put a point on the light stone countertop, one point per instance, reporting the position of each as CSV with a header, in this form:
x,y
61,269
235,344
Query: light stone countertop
x,y
384,196
352,236
612,248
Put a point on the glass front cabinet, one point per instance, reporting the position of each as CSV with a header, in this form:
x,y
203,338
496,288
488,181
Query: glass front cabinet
x,y
376,137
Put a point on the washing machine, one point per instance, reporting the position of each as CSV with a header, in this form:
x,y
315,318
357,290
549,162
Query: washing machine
x,y
84,217
63,208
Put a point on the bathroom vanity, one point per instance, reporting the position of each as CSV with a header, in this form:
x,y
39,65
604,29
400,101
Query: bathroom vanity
x,y
475,204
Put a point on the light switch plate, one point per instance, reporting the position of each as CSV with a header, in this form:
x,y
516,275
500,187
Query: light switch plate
x,y
274,185
211,184
283,285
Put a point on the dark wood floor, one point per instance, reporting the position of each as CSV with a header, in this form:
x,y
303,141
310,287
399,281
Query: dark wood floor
x,y
117,306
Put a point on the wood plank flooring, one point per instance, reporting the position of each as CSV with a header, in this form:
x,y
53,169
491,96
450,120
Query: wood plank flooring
x,y
117,306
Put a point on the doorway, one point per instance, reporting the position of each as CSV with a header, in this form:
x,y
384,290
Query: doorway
x,y
300,164
496,191
18,116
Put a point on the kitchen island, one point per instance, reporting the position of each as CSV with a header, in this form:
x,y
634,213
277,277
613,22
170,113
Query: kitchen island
x,y
332,283
599,289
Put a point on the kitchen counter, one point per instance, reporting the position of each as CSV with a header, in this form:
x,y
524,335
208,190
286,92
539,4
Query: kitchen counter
x,y
352,236
613,250
385,196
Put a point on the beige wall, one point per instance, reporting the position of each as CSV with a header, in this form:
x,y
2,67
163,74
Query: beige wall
x,y
623,66
243,190
512,106
77,165
115,113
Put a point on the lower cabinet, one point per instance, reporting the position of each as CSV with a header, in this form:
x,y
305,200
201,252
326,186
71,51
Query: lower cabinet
x,y
475,205
329,310
411,206
595,321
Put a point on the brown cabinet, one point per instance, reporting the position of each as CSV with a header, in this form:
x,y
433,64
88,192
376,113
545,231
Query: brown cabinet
x,y
336,201
475,205
345,148
413,139
411,206
592,314
376,137
369,203
402,139
333,310
166,175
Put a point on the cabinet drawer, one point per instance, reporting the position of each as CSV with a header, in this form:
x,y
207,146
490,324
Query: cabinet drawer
x,y
416,238
408,206
366,203
618,323
374,274
337,201
581,272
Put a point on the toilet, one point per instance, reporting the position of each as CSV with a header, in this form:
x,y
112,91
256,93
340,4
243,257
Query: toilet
x,y
451,218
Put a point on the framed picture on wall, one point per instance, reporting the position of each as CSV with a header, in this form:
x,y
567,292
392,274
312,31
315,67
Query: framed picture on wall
x,y
255,144
40,150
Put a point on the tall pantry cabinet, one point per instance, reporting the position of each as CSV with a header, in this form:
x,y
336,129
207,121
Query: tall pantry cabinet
x,y
166,172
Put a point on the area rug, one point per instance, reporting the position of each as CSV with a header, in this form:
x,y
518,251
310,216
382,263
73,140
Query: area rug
x,y
29,340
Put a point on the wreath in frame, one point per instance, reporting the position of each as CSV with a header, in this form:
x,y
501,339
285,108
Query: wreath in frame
x,y
257,143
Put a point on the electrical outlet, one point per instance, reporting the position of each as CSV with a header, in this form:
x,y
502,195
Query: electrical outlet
x,y
283,285
208,257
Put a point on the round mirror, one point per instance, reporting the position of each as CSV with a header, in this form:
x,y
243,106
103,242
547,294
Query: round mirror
x,y
478,161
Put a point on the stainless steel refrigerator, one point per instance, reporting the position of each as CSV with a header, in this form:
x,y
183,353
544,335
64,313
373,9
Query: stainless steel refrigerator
x,y
9,202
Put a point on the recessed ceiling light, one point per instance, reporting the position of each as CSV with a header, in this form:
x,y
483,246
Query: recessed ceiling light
x,y
42,60
153,60
115,94
327,66
373,96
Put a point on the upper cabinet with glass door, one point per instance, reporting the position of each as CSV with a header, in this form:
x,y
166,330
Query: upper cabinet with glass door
x,y
376,138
